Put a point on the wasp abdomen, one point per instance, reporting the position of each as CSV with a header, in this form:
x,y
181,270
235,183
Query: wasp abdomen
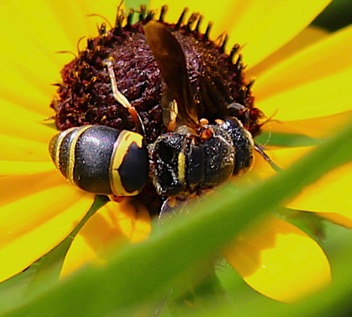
x,y
101,160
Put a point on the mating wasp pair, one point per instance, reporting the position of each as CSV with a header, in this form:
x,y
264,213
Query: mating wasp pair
x,y
191,156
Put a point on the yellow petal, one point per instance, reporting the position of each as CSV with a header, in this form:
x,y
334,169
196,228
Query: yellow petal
x,y
56,25
38,20
282,157
330,196
115,223
36,213
24,168
24,123
279,260
247,22
262,27
324,59
315,127
211,11
23,86
306,38
29,64
18,149
106,8
319,98
72,16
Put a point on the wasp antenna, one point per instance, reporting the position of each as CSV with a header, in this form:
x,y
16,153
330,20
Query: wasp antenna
x,y
207,31
269,119
67,52
120,98
235,49
162,13
79,42
199,22
267,158
181,18
102,17
120,16
119,7
130,17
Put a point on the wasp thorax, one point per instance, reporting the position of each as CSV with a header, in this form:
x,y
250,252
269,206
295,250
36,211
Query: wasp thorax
x,y
184,163
85,96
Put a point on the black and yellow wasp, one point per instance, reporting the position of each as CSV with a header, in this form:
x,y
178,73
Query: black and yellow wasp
x,y
190,157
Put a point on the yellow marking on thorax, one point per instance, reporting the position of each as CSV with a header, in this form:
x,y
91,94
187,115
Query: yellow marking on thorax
x,y
181,167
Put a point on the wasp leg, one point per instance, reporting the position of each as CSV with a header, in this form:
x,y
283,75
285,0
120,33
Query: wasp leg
x,y
172,207
266,157
116,199
120,98
170,116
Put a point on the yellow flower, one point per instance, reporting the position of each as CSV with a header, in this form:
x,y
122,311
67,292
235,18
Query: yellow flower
x,y
302,75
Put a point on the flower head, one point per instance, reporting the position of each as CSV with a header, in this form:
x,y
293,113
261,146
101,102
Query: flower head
x,y
39,208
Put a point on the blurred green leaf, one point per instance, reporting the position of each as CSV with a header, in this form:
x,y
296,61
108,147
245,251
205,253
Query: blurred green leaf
x,y
338,14
12,291
146,271
268,138
135,4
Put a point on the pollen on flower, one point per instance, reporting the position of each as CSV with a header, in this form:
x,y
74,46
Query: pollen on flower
x,y
85,95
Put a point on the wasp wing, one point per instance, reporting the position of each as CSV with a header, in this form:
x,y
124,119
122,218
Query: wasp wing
x,y
171,61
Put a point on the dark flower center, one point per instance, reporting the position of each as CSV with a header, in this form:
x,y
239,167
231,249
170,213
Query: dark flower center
x,y
85,94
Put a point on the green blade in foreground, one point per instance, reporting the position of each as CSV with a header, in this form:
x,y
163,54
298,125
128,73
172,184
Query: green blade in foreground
x,y
143,272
